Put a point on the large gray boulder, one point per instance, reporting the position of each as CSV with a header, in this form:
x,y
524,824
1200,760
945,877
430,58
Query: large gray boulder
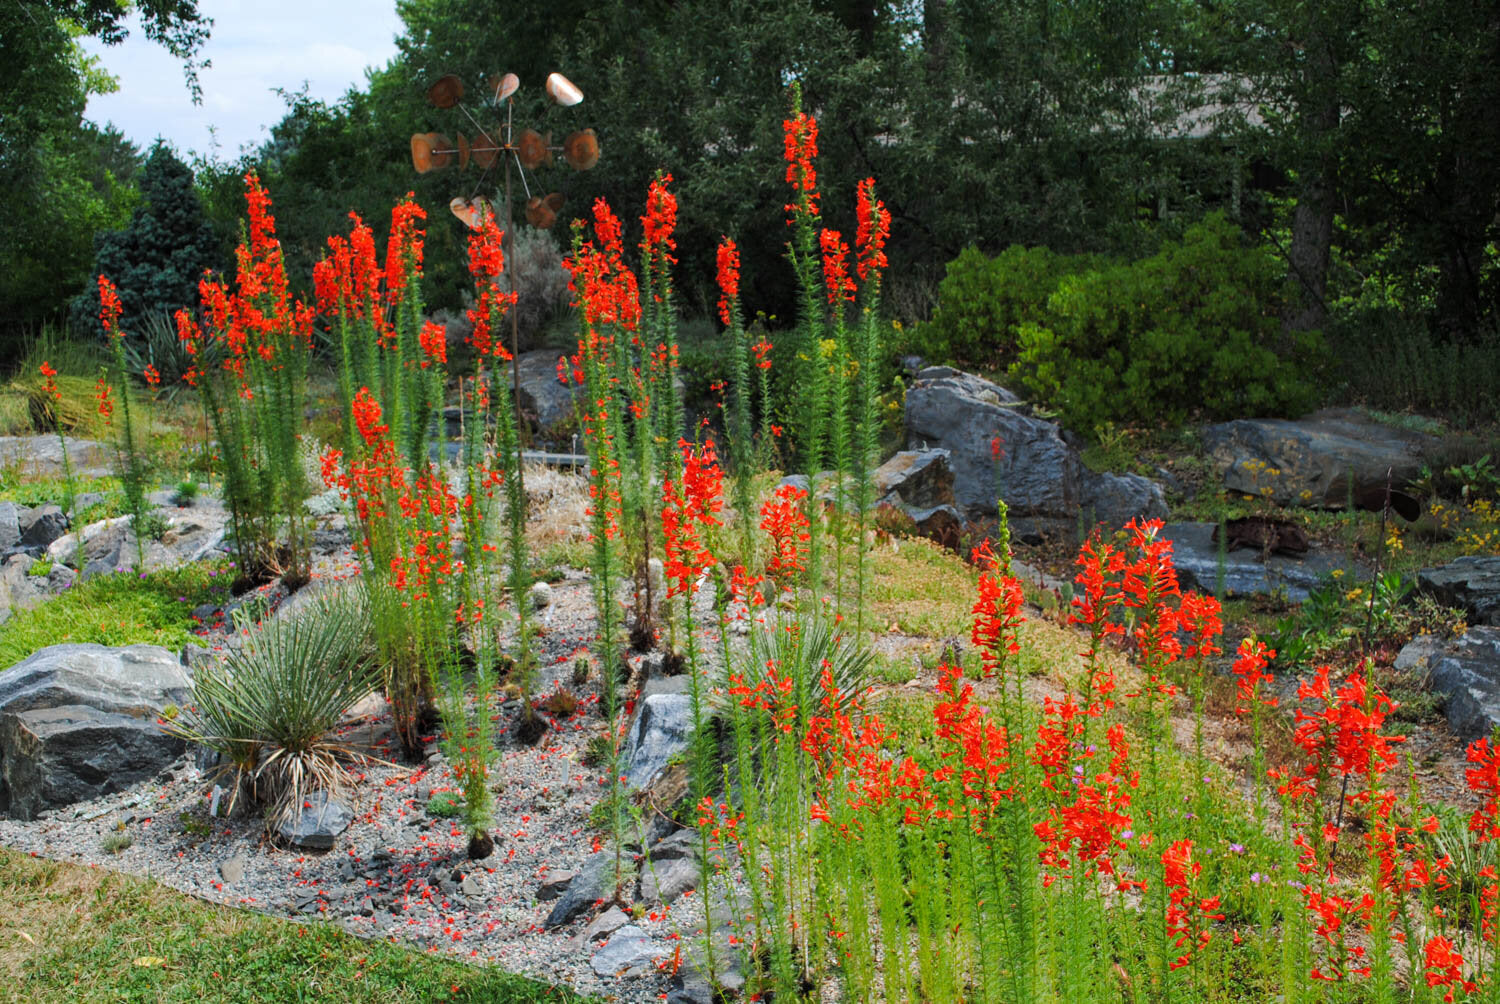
x,y
1471,582
1246,572
42,456
1467,672
79,721
1316,461
662,730
1045,484
542,394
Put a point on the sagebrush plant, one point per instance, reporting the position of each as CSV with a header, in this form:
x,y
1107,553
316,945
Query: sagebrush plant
x,y
270,709
250,346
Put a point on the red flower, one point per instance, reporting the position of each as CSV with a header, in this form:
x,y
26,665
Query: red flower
x,y
782,517
1445,968
729,278
762,350
1186,918
836,266
403,252
152,375
997,613
801,141
109,308
686,507
50,385
1484,780
660,219
1253,658
433,338
106,404
874,230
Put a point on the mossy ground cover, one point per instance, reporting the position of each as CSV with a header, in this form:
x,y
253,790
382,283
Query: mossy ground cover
x,y
77,934
119,609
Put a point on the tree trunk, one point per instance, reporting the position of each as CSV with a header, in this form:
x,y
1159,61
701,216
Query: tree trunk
x,y
1312,223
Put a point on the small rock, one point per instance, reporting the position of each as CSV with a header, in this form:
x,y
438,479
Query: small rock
x,y
471,886
46,525
682,844
605,924
554,885
321,820
1471,582
541,595
660,731
232,870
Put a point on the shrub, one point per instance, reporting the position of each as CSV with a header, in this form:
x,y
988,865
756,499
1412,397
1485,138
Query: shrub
x,y
1193,329
1395,360
983,301
270,708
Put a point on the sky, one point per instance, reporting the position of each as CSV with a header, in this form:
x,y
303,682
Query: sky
x,y
254,47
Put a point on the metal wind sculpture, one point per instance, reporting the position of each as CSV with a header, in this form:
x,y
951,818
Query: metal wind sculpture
x,y
526,151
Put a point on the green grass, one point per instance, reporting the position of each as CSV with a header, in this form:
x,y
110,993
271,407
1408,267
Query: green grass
x,y
120,609
71,934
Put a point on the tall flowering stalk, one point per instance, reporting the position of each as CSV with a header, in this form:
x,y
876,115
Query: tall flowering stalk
x,y
690,508
131,463
870,262
742,453
255,395
800,133
604,296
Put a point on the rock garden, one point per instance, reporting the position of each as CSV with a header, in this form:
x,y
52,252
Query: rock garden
x,y
543,664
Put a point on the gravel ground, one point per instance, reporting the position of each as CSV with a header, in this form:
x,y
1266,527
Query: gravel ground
x,y
398,872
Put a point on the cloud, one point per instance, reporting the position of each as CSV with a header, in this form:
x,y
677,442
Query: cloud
x,y
254,48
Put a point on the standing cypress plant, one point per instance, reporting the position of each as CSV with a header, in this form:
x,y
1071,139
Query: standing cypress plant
x,y
801,142
131,464
839,288
255,397
869,242
596,296
742,453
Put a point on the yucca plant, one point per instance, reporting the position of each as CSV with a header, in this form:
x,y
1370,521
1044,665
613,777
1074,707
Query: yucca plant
x,y
270,708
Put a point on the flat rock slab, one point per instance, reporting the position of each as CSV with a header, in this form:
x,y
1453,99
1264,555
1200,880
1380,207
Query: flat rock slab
x,y
1316,461
630,951
1471,582
42,456
1247,573
1467,671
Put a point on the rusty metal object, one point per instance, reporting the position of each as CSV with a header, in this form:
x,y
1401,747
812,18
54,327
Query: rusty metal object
x,y
484,151
531,150
447,92
471,212
504,87
581,149
539,214
421,152
1264,534
563,91
464,151
442,148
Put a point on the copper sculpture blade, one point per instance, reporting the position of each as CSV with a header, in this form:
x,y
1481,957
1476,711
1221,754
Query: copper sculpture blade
x,y
485,151
421,152
563,91
464,151
581,149
539,214
442,150
465,211
555,202
532,150
504,87
446,92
